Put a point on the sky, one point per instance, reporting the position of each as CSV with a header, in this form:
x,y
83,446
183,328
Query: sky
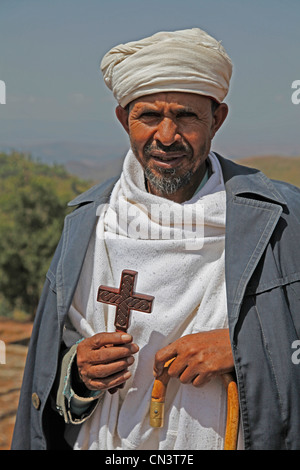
x,y
50,52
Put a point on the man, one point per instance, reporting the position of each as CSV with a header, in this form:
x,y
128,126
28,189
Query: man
x,y
222,304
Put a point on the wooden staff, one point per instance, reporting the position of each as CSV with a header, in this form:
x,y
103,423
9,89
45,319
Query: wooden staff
x,y
157,405
232,421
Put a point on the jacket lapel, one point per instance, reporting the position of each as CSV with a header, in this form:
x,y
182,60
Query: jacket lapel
x,y
79,226
254,207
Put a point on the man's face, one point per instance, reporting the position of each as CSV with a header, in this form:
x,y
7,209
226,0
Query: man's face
x,y
170,135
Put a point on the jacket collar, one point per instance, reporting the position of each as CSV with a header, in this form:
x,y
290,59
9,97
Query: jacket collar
x,y
240,180
95,193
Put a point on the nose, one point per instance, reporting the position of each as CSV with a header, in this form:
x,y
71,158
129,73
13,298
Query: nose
x,y
166,132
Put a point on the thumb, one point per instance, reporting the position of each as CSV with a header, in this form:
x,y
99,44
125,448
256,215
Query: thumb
x,y
163,358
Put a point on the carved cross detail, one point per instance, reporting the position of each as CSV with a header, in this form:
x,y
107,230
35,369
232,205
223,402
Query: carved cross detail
x,y
124,299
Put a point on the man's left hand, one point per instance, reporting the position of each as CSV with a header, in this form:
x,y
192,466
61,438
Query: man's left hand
x,y
199,357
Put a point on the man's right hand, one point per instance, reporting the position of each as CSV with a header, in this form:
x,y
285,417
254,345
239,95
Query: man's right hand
x,y
103,359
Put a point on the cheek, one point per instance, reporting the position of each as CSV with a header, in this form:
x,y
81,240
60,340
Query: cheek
x,y
199,139
139,133
139,137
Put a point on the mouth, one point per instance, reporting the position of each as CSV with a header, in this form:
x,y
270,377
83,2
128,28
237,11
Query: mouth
x,y
167,160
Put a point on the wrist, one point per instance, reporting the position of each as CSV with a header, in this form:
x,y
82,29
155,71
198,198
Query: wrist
x,y
78,385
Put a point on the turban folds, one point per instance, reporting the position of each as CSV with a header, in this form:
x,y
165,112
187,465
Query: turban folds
x,y
188,61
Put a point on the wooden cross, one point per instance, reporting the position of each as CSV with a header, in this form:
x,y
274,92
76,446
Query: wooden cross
x,y
124,299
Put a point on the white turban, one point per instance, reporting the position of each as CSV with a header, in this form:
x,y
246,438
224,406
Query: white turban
x,y
188,61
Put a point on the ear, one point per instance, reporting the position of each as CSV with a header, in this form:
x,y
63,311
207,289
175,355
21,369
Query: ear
x,y
122,116
219,117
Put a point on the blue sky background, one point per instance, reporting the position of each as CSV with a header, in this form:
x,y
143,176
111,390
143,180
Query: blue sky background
x,y
50,51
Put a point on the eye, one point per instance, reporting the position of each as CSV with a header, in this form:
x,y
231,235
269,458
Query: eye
x,y
150,114
186,114
149,117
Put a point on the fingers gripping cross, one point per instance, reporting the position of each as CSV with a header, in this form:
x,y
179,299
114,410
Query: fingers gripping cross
x,y
124,299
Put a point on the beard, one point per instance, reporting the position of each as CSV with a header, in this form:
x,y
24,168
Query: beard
x,y
166,181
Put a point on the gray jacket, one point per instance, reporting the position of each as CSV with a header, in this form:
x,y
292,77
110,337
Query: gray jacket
x,y
262,263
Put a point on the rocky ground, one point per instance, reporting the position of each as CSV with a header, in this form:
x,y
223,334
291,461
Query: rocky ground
x,y
15,336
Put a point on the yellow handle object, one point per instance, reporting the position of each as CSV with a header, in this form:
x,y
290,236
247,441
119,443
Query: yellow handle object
x,y
232,421
157,405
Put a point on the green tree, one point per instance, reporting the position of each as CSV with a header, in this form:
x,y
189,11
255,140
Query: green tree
x,y
33,205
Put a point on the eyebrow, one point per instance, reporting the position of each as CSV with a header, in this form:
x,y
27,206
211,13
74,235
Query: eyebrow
x,y
181,109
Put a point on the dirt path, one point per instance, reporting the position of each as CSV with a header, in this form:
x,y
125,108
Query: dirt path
x,y
15,337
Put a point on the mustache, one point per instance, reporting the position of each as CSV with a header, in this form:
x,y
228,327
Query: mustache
x,y
183,147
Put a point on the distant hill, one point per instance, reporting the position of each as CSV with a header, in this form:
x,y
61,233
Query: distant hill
x,y
96,163
93,170
276,167
93,162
